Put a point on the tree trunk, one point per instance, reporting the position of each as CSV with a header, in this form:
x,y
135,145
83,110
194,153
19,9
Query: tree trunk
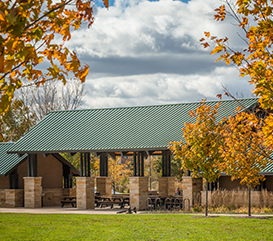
x,y
207,188
249,201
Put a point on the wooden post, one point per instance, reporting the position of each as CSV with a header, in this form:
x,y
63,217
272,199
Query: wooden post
x,y
32,165
138,164
81,171
88,164
142,164
135,163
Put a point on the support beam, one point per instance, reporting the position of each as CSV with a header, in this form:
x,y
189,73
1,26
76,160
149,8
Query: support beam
x,y
166,164
103,165
13,180
146,154
138,164
142,164
123,153
67,174
135,163
169,165
71,153
81,165
163,166
86,162
32,165
45,155
112,154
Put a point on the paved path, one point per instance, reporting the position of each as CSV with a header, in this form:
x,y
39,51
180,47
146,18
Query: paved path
x,y
103,211
51,210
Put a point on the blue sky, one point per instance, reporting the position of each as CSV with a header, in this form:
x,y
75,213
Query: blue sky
x,y
148,53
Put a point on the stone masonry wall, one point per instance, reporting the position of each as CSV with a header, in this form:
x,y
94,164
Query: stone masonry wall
x,y
2,198
138,192
69,192
192,188
52,196
14,198
104,185
33,192
85,192
166,186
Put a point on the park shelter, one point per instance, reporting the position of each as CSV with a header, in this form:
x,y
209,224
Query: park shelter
x,y
54,172
137,131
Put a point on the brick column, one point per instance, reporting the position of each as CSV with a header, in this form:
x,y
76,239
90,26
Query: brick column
x,y
166,186
85,192
138,192
104,185
33,192
192,188
14,198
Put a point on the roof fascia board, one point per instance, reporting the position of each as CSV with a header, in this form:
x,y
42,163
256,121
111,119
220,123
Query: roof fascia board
x,y
94,151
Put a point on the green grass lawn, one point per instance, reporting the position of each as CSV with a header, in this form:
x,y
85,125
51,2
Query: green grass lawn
x,y
132,227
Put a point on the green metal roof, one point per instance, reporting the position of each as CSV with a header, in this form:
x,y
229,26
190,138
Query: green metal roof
x,y
268,169
114,129
9,161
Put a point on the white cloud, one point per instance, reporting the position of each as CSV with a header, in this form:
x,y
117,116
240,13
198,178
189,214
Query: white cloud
x,y
143,52
162,88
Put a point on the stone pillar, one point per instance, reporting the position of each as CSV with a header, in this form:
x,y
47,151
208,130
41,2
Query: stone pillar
x,y
192,188
14,198
104,185
138,192
85,192
166,186
33,192
2,197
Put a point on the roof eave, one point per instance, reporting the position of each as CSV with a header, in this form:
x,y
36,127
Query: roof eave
x,y
92,150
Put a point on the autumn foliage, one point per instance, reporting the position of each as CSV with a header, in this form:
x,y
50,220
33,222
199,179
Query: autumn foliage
x,y
244,153
33,32
199,152
234,145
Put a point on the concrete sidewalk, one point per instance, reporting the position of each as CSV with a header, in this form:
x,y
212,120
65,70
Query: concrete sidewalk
x,y
108,211
55,210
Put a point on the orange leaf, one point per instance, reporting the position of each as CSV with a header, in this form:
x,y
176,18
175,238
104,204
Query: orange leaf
x,y
106,3
207,34
2,16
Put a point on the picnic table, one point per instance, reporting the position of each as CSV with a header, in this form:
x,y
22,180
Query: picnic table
x,y
69,200
116,199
